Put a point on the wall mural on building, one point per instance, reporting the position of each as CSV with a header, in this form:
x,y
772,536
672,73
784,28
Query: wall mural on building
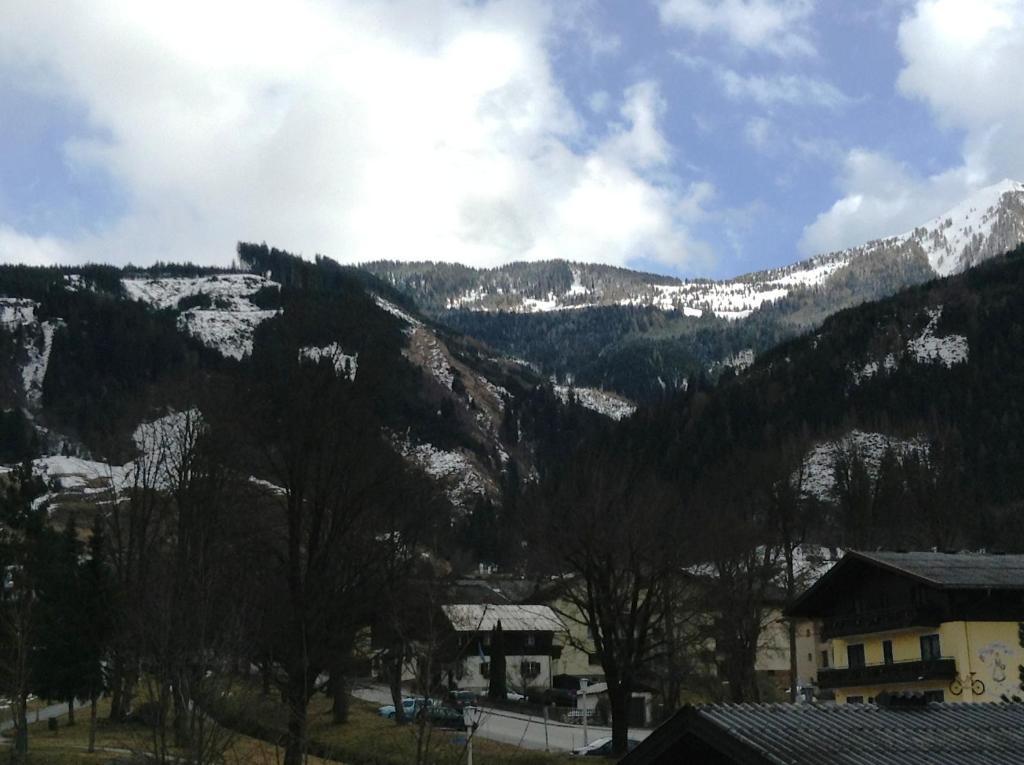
x,y
998,660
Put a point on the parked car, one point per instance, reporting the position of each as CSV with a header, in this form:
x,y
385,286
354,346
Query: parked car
x,y
443,716
460,699
602,747
513,696
410,706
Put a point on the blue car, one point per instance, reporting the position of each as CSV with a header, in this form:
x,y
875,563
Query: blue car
x,y
410,706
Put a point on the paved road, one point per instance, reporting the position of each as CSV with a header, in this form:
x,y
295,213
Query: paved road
x,y
56,710
514,728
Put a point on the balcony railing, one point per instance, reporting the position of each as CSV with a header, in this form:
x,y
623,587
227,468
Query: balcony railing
x,y
882,674
866,622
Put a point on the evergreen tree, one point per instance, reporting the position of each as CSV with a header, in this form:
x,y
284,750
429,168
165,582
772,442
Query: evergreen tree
x,y
498,687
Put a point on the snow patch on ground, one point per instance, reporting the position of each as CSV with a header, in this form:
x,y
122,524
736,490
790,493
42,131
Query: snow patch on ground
x,y
394,310
346,364
929,349
963,229
819,464
230,333
34,371
463,481
229,326
609,404
16,312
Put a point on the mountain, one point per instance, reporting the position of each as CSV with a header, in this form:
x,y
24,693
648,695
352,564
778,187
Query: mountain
x,y
642,334
900,419
95,360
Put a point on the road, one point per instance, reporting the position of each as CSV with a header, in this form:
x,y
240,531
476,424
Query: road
x,y
522,730
55,710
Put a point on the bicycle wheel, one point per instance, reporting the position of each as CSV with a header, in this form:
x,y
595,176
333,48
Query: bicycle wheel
x,y
956,687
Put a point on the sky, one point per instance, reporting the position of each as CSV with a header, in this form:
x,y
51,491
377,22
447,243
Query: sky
x,y
689,137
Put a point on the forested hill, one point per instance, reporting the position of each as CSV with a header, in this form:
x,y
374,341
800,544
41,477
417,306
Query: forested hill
x,y
95,360
643,335
901,421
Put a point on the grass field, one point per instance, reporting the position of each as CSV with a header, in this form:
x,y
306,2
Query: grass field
x,y
68,745
369,739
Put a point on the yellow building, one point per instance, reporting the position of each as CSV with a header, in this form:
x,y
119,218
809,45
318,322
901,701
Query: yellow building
x,y
945,625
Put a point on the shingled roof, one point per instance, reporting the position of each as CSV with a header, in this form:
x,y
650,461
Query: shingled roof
x,y
955,570
848,734
947,571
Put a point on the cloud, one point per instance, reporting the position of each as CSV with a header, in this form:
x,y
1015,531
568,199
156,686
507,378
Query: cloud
x,y
961,59
787,89
16,247
779,27
759,132
362,130
881,197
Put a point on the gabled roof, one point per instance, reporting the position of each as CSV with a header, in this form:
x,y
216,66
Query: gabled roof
x,y
947,571
472,617
848,734
955,570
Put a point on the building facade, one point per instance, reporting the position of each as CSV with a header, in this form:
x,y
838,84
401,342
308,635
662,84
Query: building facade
x,y
944,625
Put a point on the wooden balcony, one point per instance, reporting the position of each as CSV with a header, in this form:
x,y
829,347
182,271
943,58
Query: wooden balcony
x,y
882,620
883,674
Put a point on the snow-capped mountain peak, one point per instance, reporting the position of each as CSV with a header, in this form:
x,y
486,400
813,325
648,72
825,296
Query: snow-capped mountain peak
x,y
987,223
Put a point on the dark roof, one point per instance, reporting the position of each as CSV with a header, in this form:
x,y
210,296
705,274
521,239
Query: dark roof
x,y
848,734
955,570
948,571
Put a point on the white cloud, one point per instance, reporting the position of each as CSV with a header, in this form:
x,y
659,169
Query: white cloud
x,y
789,89
759,132
598,101
780,27
961,59
881,197
362,130
16,247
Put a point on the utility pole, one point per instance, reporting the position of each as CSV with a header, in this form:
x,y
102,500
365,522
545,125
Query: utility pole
x,y
586,709
546,747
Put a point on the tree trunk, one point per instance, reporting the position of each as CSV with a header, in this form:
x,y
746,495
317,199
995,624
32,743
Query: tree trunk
x,y
618,697
116,713
339,698
181,737
71,711
297,700
265,671
92,724
396,688
792,661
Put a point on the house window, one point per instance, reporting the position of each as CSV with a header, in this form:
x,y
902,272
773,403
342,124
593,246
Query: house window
x,y
934,696
530,669
485,669
930,647
855,655
531,640
486,638
824,659
854,699
594,659
887,651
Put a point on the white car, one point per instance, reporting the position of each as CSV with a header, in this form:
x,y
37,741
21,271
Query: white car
x,y
513,696
602,747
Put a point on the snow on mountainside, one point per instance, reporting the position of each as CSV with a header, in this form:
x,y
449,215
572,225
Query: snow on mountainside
x,y
985,225
346,364
228,324
818,479
988,223
924,348
609,404
37,342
